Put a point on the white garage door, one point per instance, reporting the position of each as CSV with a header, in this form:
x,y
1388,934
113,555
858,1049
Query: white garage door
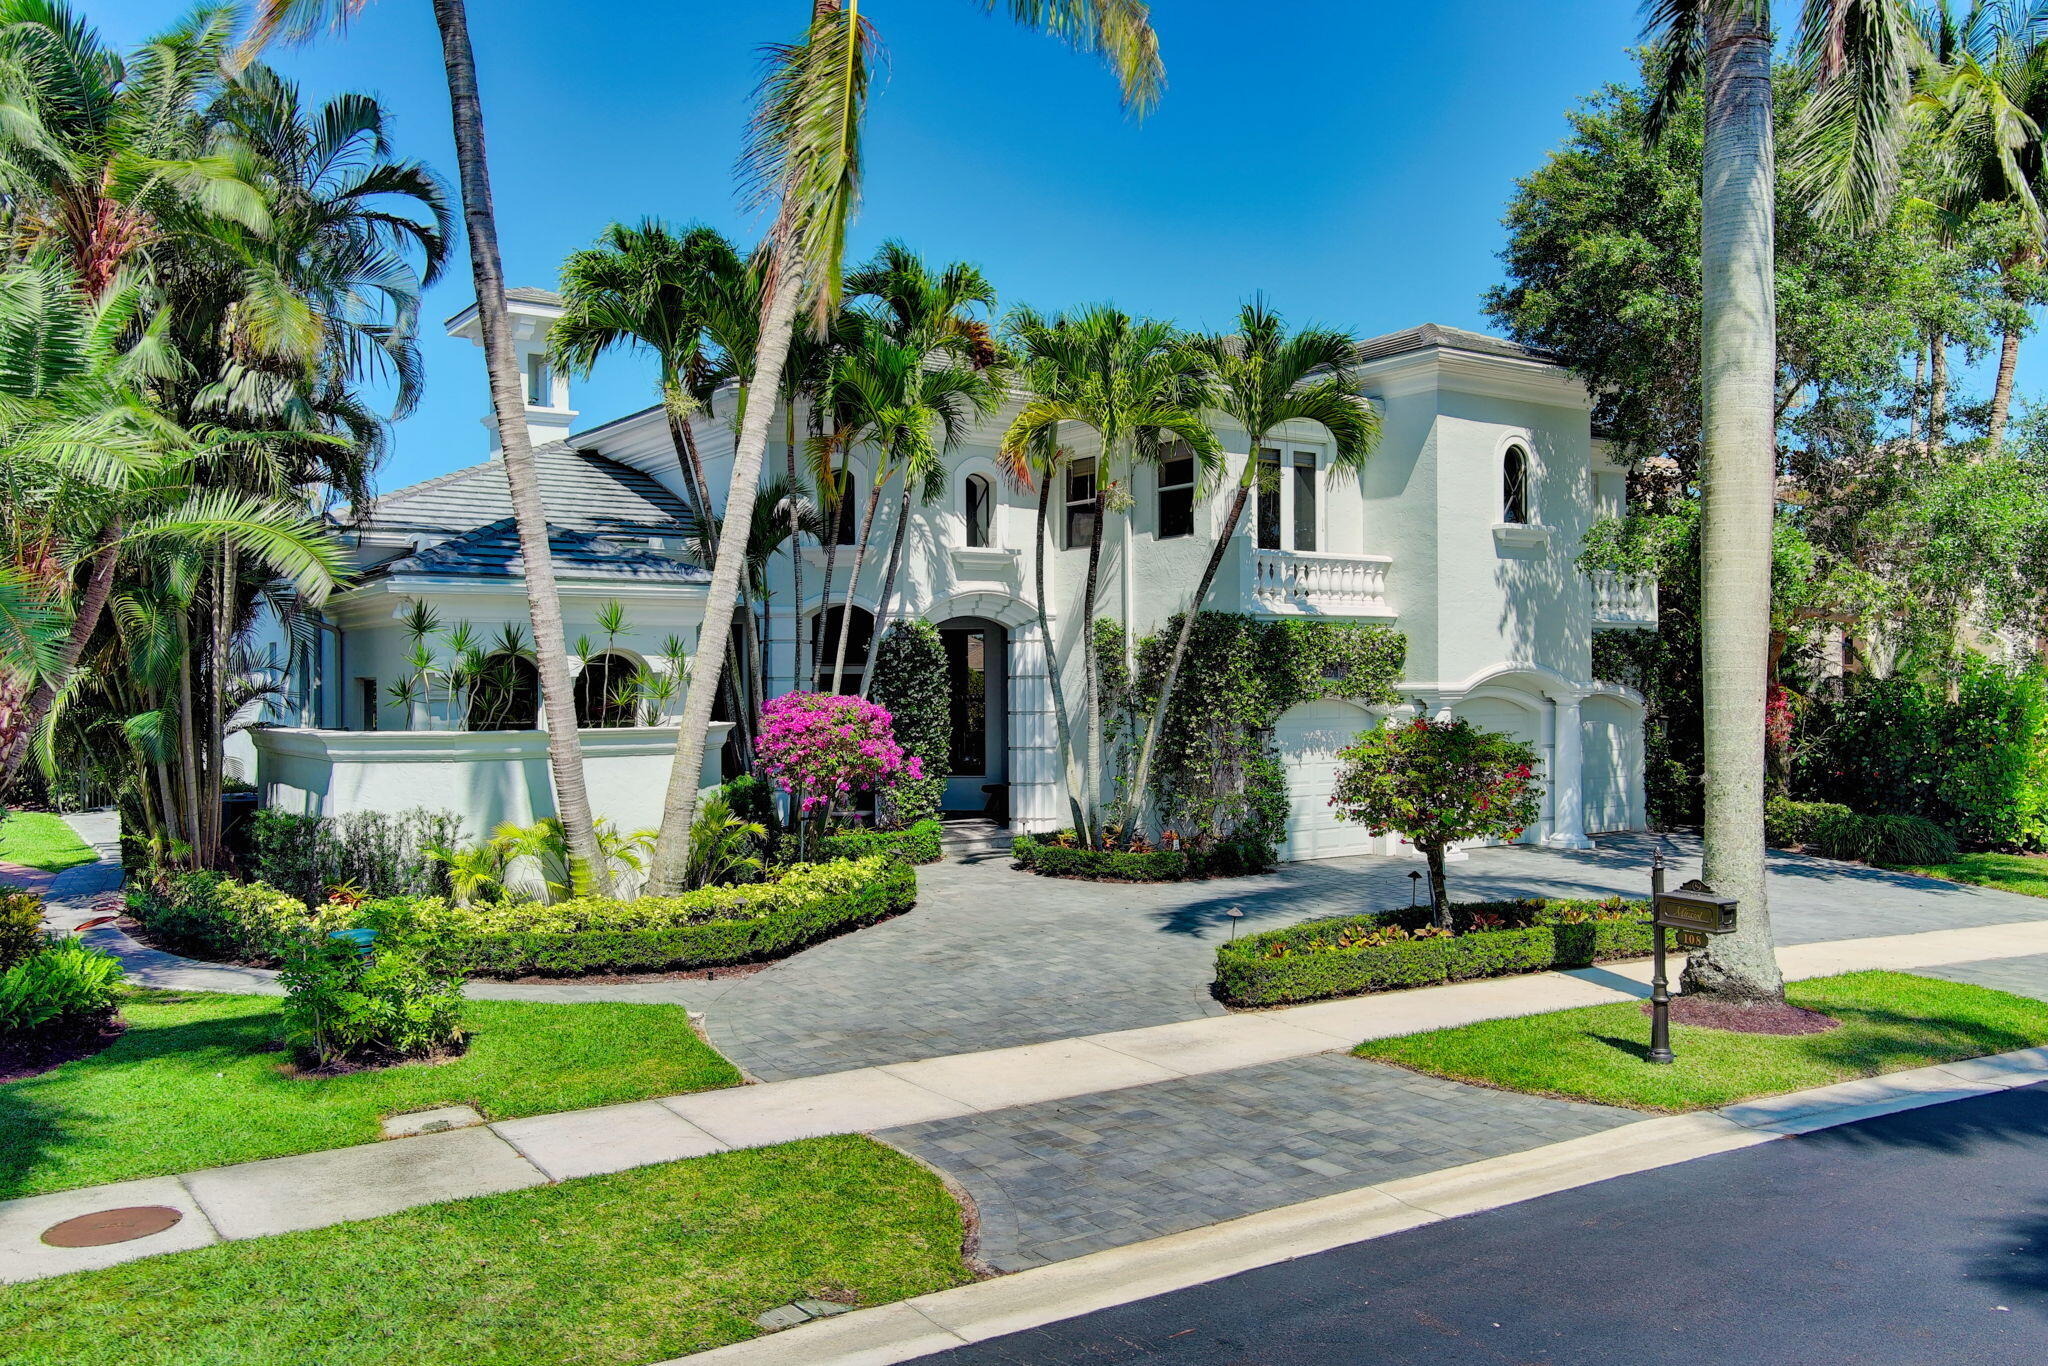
x,y
1613,759
1309,737
1495,713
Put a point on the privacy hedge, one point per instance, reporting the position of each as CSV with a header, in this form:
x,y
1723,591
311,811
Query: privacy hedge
x,y
1352,955
918,843
1787,822
712,927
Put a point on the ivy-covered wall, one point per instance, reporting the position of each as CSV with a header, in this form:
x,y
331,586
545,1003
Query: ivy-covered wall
x,y
910,682
1217,776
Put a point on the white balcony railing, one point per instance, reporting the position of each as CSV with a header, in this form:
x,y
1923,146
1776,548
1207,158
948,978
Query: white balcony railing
x,y
1624,600
1305,582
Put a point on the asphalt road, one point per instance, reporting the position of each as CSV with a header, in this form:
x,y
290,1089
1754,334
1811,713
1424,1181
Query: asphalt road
x,y
1919,1237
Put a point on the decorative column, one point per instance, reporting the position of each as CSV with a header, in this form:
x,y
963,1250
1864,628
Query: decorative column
x,y
1034,736
1567,778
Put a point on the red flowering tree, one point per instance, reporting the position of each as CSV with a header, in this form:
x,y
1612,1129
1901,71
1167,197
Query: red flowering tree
x,y
825,747
1436,783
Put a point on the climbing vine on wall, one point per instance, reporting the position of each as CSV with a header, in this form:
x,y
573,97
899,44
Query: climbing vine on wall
x,y
911,683
1217,779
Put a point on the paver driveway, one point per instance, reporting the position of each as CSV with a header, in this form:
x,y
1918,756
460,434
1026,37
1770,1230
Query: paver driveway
x,y
994,957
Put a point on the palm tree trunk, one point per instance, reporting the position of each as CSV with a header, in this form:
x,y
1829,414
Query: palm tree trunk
x,y
2001,394
551,655
888,584
860,554
1091,666
796,551
1052,662
85,619
831,563
1919,384
669,874
1937,401
1739,467
685,441
1135,800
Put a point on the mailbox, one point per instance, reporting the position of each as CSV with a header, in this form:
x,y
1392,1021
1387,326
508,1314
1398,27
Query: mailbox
x,y
1695,907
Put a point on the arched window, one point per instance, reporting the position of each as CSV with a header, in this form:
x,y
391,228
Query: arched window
x,y
607,692
981,511
505,694
825,646
1514,486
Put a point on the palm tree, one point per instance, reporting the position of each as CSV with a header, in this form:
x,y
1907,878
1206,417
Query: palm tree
x,y
1861,54
1046,462
300,19
1141,389
803,158
648,287
780,507
1261,379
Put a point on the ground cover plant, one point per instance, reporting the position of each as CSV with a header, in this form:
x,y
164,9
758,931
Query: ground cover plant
x,y
2026,874
36,839
1351,955
616,1270
1889,1021
199,1081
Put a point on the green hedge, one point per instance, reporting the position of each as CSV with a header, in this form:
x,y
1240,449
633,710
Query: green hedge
x,y
1352,955
1787,822
212,916
1881,839
711,927
1051,858
919,843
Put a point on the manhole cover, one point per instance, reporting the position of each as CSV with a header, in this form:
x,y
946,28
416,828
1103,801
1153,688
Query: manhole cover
x,y
104,1227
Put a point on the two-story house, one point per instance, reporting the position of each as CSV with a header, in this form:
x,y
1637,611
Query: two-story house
x,y
1461,532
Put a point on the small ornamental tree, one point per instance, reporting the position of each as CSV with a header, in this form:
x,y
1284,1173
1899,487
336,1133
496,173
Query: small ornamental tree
x,y
1438,782
823,748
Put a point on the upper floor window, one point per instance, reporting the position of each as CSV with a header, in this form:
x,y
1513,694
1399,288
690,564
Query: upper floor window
x,y
1080,520
1514,485
1177,497
1287,499
981,511
540,385
840,508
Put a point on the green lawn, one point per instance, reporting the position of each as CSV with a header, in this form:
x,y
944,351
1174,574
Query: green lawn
x,y
1890,1021
604,1271
2026,874
195,1083
35,839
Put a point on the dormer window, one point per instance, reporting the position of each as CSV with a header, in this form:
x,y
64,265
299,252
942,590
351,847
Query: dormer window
x,y
980,507
540,384
1514,484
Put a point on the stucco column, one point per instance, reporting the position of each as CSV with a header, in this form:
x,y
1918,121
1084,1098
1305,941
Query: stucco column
x,y
1034,737
1567,778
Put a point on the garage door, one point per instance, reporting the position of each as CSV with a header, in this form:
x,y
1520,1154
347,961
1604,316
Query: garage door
x,y
1613,761
1495,713
1308,737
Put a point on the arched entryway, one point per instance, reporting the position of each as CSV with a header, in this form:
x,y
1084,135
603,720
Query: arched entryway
x,y
607,691
504,694
977,689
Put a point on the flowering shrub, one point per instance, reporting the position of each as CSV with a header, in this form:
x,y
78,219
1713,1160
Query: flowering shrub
x,y
828,747
1438,782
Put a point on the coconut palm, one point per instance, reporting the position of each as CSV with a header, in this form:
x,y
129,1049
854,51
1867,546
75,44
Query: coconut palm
x,y
1861,55
1141,389
803,159
1262,378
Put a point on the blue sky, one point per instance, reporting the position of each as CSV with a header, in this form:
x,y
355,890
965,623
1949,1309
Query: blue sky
x,y
1351,158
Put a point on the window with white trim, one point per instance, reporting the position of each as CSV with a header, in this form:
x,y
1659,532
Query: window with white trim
x,y
1080,502
1514,487
540,385
1289,493
979,503
1177,496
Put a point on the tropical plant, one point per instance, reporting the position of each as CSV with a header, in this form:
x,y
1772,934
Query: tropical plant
x,y
911,683
724,848
1141,389
64,984
803,159
1262,378
824,748
1437,783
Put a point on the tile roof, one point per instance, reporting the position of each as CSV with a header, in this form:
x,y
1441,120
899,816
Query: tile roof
x,y
492,551
1432,335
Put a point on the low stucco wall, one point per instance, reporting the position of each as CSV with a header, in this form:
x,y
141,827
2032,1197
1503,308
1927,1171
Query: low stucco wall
x,y
486,777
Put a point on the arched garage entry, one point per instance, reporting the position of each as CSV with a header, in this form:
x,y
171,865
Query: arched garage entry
x,y
1309,737
1499,707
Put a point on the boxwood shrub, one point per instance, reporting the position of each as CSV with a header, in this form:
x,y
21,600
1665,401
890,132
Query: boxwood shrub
x,y
1787,822
1881,839
1051,858
1352,955
918,843
712,927
212,916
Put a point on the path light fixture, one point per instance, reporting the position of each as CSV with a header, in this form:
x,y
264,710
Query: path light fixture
x,y
1414,889
1236,913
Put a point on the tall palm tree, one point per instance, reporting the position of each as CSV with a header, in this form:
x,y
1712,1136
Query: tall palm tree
x,y
300,19
649,287
1861,54
803,158
1262,378
1141,389
1045,462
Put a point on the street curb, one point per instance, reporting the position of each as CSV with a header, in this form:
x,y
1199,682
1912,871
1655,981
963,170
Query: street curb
x,y
939,1322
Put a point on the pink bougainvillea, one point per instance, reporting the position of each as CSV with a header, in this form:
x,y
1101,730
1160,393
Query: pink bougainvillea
x,y
829,746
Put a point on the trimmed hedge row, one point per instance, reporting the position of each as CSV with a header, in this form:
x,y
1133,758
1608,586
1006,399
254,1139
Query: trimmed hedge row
x,y
1787,822
712,927
1310,961
1049,858
209,915
921,842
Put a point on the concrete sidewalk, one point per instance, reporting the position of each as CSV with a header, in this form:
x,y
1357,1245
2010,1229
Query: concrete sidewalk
x,y
279,1195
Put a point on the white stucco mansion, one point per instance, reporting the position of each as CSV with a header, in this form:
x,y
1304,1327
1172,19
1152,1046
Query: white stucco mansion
x,y
1461,532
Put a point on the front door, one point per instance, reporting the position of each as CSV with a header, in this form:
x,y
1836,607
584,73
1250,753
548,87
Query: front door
x,y
977,690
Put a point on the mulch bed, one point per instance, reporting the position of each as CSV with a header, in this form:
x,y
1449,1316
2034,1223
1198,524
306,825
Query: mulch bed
x,y
1762,1017
30,1055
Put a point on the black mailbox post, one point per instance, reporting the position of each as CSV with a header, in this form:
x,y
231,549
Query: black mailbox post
x,y
1695,912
